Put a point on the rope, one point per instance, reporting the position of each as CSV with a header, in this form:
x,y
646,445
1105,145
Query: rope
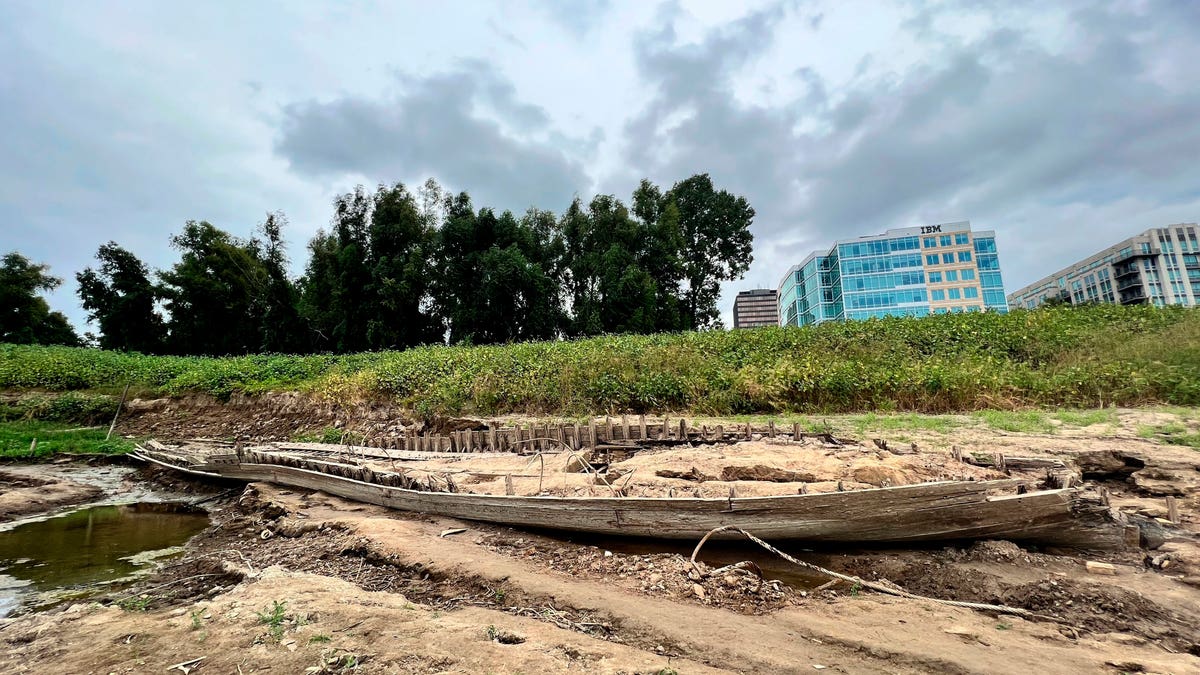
x,y
1002,609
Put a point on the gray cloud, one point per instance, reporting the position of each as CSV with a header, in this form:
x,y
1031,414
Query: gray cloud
x,y
998,129
466,127
578,16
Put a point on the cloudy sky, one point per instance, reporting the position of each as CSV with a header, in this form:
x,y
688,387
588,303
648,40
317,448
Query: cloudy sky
x,y
1062,126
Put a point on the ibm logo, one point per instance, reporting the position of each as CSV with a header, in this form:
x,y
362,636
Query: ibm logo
x,y
931,229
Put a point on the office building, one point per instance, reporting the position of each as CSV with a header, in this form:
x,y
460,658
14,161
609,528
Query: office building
x,y
756,308
1160,266
911,271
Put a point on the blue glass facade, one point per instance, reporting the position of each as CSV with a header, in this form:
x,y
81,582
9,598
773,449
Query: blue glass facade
x,y
908,272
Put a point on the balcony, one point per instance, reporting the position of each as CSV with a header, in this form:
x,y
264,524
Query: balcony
x,y
1136,297
1125,270
1134,256
1127,283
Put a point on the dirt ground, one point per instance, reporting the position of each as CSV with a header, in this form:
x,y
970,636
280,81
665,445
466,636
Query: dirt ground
x,y
24,492
363,589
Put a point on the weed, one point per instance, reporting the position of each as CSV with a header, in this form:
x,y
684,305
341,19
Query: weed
x,y
1086,418
274,618
492,633
55,437
197,619
319,639
136,604
855,589
667,671
1173,433
1074,357
1003,626
1019,421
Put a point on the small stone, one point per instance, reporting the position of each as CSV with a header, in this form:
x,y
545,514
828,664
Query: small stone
x,y
730,580
655,578
1102,568
817,666
698,590
608,554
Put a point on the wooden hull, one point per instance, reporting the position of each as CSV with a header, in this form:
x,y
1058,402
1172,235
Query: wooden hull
x,y
914,513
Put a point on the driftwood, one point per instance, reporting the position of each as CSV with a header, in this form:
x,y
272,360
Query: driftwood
x,y
1004,461
912,513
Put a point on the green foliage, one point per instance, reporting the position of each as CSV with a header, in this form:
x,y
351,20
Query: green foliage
x,y
136,604
319,639
52,438
120,298
1076,357
25,318
76,407
273,618
1172,433
1086,418
1020,421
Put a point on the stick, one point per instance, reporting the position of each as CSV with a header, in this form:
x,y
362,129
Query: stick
x,y
861,582
118,412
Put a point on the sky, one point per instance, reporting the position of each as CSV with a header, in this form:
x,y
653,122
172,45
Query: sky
x,y
1063,126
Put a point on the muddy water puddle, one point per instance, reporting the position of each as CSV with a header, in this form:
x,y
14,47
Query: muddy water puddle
x,y
82,553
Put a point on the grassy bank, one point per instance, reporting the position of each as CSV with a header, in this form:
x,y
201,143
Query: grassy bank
x,y
1072,357
16,437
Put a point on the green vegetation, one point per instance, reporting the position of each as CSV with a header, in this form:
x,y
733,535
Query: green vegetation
x,y
1020,421
1172,433
273,618
55,438
136,604
79,408
1079,357
1085,418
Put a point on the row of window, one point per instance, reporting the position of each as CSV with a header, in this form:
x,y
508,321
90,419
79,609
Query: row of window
x,y
960,239
881,264
876,299
948,258
878,247
958,310
968,292
875,282
985,245
990,279
951,275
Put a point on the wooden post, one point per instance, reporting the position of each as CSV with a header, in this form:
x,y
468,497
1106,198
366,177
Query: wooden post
x,y
1173,511
608,434
576,444
748,432
956,453
683,433
33,447
508,485
625,427
642,428
721,432
492,438
1000,465
796,432
666,432
118,412
704,432
592,434
771,429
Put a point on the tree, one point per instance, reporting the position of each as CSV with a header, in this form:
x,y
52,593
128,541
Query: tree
x,y
213,294
716,244
276,305
120,299
25,317
367,285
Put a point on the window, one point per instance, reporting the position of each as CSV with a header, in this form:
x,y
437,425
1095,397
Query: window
x,y
935,277
937,294
931,259
955,294
930,242
951,275
968,275
944,240
964,256
960,238
970,292
947,258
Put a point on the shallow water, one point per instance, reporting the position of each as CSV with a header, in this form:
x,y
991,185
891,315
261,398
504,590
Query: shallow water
x,y
85,552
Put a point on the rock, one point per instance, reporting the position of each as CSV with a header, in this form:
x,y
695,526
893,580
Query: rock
x,y
692,474
1101,568
655,578
698,590
762,472
1191,581
995,550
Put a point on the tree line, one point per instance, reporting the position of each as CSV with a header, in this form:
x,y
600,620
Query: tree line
x,y
398,268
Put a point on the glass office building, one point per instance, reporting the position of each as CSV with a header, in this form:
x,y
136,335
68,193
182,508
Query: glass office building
x,y
912,271
1159,267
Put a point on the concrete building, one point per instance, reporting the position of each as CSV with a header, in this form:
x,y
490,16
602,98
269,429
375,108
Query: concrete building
x,y
1159,266
915,271
755,308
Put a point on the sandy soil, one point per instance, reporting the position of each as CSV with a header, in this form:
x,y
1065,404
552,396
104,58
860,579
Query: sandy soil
x,y
24,492
376,591
392,593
